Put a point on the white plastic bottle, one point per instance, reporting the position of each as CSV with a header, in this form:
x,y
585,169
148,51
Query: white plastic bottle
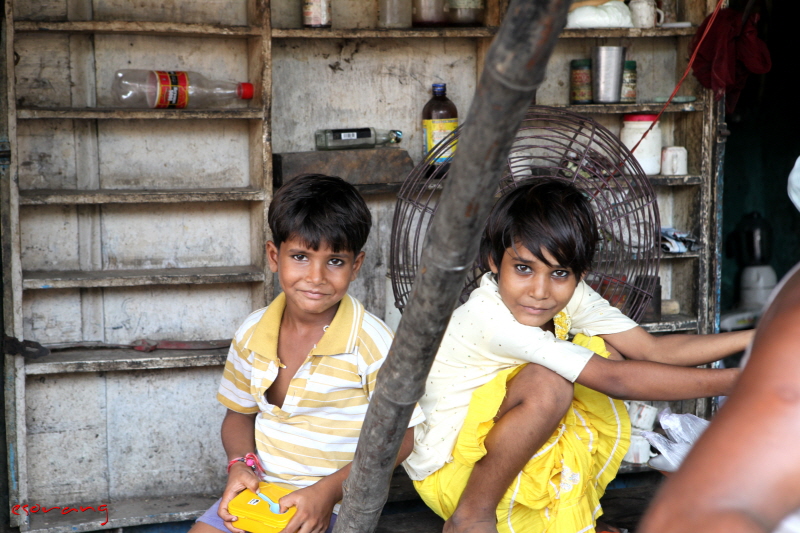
x,y
174,89
648,153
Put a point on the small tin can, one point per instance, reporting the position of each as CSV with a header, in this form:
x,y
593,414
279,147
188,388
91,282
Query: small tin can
x,y
628,92
580,81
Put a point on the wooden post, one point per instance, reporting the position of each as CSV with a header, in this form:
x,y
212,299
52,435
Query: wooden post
x,y
514,68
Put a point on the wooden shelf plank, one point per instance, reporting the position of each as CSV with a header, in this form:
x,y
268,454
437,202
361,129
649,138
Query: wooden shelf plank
x,y
164,28
96,113
685,255
410,518
620,109
672,324
602,33
140,277
123,513
373,33
119,359
672,181
174,28
154,196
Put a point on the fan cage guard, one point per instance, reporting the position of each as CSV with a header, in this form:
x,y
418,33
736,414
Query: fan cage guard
x,y
552,143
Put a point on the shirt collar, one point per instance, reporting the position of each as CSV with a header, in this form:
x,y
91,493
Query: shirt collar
x,y
339,337
562,320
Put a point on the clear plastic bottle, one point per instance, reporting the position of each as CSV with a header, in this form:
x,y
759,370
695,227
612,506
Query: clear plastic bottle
x,y
439,119
174,89
345,139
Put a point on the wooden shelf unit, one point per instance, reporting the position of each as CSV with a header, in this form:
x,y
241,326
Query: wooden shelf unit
x,y
125,202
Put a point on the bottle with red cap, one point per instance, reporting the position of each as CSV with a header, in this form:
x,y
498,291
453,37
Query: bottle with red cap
x,y
174,89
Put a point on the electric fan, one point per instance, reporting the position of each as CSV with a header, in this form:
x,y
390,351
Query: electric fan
x,y
555,143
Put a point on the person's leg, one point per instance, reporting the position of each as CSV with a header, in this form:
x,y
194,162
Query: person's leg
x,y
210,522
536,401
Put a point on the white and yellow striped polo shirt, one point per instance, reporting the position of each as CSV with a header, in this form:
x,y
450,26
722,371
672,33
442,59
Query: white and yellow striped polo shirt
x,y
315,433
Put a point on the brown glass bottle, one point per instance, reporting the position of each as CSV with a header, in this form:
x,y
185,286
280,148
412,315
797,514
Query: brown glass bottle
x,y
439,119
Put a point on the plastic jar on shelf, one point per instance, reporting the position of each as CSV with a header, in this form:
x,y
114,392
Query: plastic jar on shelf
x,y
648,153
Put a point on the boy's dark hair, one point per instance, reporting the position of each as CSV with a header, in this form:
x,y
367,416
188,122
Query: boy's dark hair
x,y
543,213
320,210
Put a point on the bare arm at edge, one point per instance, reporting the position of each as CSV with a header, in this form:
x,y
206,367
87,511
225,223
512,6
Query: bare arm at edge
x,y
743,475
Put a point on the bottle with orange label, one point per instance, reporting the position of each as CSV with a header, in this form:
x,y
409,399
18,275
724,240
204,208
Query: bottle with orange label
x,y
439,119
174,89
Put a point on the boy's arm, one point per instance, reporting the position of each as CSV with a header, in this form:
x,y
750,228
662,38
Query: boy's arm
x,y
238,439
678,349
315,503
643,380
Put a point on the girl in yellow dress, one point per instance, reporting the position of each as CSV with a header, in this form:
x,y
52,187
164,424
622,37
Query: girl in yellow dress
x,y
509,443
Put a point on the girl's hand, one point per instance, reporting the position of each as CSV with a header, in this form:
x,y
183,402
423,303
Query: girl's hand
x,y
240,477
314,507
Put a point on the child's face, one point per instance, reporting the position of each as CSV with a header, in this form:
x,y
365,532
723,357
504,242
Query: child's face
x,y
314,280
533,291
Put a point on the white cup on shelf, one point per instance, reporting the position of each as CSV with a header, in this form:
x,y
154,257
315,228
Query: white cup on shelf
x,y
639,451
643,416
674,161
645,14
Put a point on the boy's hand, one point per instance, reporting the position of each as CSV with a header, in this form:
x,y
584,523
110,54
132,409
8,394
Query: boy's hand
x,y
314,507
240,477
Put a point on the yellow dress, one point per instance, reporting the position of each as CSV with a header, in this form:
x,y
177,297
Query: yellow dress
x,y
559,489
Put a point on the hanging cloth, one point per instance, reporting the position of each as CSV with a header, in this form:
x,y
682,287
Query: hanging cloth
x,y
729,54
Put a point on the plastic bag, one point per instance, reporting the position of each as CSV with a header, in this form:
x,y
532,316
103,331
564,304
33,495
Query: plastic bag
x,y
613,14
682,431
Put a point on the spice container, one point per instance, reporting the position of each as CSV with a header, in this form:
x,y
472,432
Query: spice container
x,y
628,92
580,81
648,153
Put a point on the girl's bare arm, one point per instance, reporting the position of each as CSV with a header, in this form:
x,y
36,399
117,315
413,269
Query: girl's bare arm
x,y
678,349
643,380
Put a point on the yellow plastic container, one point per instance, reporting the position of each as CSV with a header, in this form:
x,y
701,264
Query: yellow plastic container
x,y
254,513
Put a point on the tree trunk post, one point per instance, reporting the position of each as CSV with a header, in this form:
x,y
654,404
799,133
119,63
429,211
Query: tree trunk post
x,y
515,67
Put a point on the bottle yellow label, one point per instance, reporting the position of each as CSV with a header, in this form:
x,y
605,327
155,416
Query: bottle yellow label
x,y
434,131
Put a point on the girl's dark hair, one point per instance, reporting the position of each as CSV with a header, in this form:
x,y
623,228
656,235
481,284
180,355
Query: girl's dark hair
x,y
320,210
543,213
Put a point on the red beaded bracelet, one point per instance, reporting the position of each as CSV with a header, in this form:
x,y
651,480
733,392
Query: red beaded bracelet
x,y
250,460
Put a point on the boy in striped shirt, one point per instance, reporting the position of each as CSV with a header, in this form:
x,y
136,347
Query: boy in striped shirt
x,y
300,373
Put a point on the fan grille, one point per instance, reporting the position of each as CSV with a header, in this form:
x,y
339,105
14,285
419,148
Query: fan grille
x,y
552,143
